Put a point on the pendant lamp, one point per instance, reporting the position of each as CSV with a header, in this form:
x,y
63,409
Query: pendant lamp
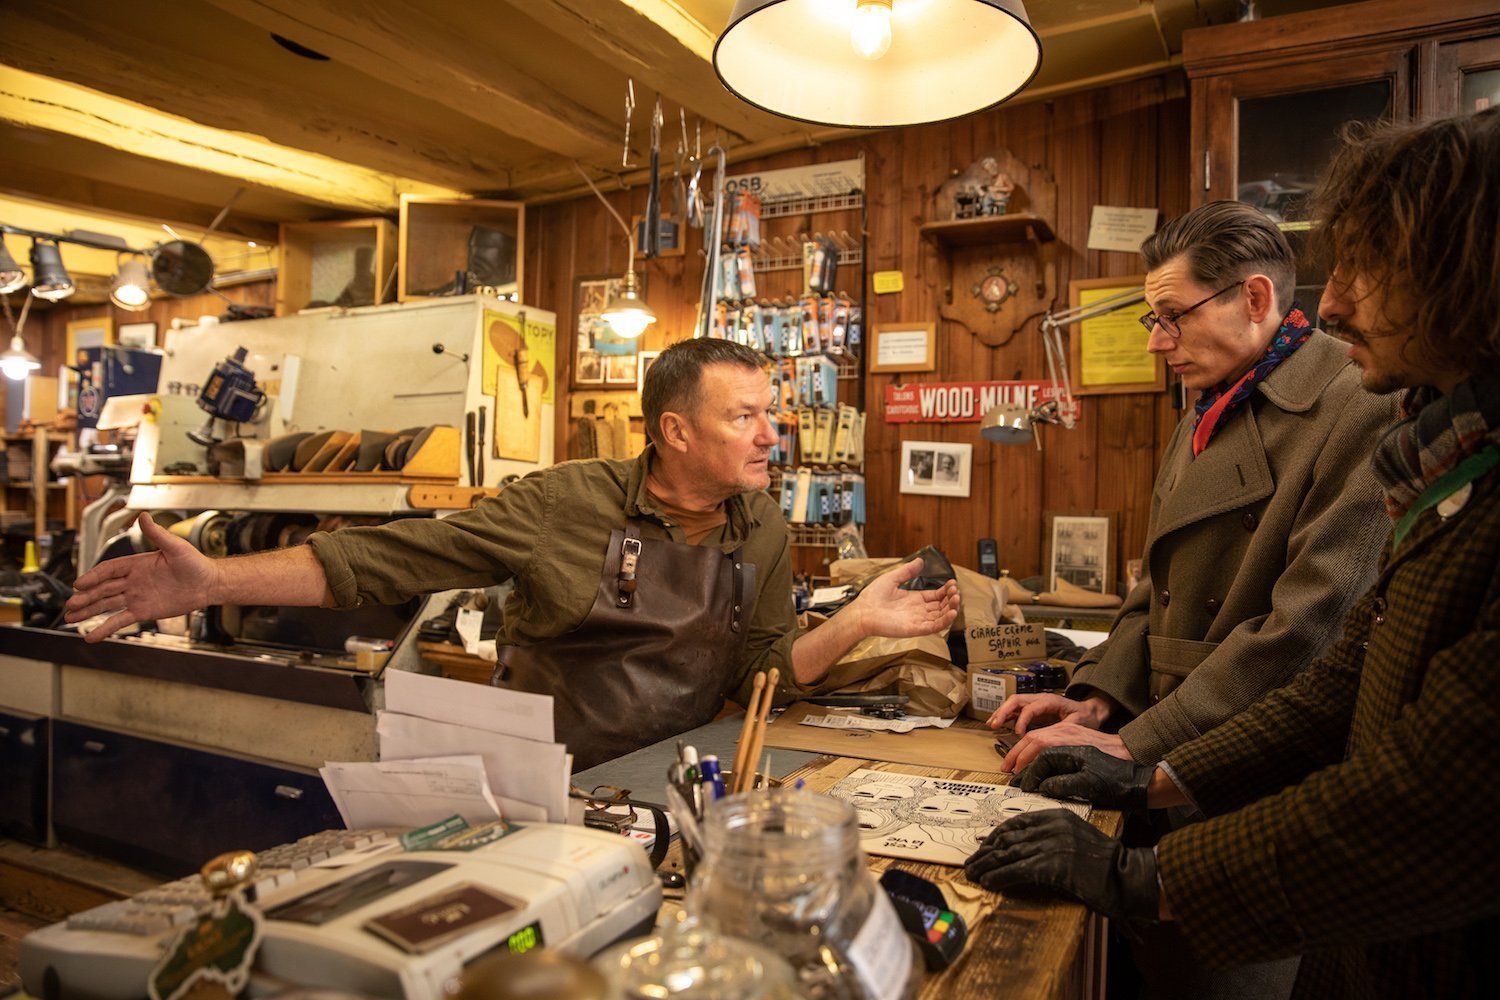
x,y
876,63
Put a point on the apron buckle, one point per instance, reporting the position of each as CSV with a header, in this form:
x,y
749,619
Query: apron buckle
x,y
630,556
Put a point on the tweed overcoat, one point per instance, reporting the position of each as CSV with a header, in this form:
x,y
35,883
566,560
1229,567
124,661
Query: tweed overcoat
x,y
1255,549
1353,812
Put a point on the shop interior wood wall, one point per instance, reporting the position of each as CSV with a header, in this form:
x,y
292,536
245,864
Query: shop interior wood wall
x,y
1125,145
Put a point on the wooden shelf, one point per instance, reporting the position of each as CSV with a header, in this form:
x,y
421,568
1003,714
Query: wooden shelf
x,y
1018,227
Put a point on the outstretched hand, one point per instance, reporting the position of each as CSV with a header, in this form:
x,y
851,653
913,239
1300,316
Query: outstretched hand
x,y
171,581
885,609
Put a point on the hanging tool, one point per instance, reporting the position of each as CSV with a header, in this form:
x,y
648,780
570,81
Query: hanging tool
x,y
483,419
629,111
469,444
711,243
679,187
522,359
653,192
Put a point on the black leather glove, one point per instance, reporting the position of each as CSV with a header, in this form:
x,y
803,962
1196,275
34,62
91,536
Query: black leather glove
x,y
1088,774
1059,850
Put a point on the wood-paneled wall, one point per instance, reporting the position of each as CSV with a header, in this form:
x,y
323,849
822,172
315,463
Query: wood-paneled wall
x,y
1124,145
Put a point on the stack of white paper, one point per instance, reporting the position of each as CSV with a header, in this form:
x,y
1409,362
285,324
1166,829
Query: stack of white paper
x,y
454,747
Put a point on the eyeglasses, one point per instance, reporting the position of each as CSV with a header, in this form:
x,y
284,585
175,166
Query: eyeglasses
x,y
1169,320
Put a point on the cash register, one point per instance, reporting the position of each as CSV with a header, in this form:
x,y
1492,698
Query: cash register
x,y
395,923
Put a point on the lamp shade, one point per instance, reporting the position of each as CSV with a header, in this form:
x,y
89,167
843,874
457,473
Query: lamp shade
x,y
876,63
131,290
18,362
49,279
626,312
182,268
11,275
1007,423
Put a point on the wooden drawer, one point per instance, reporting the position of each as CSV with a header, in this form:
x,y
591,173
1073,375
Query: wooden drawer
x,y
169,807
23,776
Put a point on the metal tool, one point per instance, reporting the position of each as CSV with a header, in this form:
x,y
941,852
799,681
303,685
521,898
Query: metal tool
x,y
483,419
629,111
470,425
653,191
712,245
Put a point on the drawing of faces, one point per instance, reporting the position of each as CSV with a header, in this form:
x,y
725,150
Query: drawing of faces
x,y
877,822
948,810
889,793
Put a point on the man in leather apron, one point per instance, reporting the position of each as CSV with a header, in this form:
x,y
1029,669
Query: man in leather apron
x,y
646,591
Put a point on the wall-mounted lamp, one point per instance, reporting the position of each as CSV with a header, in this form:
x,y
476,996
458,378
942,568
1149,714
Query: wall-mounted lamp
x,y
178,268
131,289
1010,423
876,63
49,279
625,311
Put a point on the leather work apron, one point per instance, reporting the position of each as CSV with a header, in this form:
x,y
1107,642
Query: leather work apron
x,y
654,655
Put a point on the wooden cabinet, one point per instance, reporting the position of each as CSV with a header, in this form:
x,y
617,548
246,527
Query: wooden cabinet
x,y
1269,97
36,502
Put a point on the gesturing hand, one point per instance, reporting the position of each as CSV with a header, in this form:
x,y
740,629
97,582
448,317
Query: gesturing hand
x,y
173,580
1057,849
1089,774
885,609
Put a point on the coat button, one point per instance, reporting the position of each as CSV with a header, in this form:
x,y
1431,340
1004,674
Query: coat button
x,y
1155,699
1165,597
1212,604
1380,609
1248,520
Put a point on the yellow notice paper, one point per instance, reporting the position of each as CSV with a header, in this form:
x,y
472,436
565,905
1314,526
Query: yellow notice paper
x,y
886,282
1112,347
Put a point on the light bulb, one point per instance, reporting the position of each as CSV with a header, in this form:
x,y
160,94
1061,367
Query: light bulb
x,y
629,323
871,32
17,362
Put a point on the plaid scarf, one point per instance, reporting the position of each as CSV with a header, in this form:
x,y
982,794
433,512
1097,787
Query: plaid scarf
x,y
1438,433
1218,402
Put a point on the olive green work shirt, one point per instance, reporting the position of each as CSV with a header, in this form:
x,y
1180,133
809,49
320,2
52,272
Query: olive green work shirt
x,y
550,532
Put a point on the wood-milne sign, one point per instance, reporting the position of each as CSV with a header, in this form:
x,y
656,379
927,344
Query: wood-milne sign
x,y
961,402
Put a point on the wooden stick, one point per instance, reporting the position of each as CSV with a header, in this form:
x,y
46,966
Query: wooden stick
x,y
750,710
758,736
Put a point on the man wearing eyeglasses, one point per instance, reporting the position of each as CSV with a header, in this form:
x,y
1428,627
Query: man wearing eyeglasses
x,y
1265,519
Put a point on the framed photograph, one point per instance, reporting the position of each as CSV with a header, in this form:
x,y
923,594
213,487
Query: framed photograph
x,y
1107,354
621,369
594,343
936,468
141,336
904,347
673,235
646,357
1080,548
88,333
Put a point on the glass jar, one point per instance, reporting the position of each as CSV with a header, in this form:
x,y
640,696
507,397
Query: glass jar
x,y
691,960
784,869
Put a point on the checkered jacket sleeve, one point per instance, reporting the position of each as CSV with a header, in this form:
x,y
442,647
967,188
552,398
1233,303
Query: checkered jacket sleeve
x,y
1394,841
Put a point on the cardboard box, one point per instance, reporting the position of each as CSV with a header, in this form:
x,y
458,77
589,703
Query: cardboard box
x,y
997,652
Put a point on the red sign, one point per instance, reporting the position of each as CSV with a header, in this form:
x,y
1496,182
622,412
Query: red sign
x,y
962,402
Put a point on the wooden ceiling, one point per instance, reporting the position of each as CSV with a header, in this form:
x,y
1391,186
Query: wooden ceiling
x,y
169,110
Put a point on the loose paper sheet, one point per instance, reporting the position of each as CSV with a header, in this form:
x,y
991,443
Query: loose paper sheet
x,y
529,779
410,793
494,709
938,820
905,725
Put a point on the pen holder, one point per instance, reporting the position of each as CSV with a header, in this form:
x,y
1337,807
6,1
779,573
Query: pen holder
x,y
691,852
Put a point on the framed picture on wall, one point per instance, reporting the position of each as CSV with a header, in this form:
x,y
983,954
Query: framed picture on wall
x,y
646,357
138,335
87,333
1107,353
936,468
1079,548
598,354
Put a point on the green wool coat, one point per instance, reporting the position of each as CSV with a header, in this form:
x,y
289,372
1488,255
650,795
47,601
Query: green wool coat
x,y
1254,551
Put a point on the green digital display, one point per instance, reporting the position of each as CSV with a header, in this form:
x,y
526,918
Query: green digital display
x,y
526,938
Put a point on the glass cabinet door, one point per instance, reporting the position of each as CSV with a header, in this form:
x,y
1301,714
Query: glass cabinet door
x,y
1467,76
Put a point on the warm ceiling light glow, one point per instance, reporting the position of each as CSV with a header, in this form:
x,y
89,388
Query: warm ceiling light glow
x,y
871,32
17,362
132,287
876,63
625,312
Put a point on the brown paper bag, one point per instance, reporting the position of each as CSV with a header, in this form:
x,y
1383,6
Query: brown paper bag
x,y
936,689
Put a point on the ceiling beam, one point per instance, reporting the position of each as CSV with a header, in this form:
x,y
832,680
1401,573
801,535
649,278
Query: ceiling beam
x,y
427,55
33,101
